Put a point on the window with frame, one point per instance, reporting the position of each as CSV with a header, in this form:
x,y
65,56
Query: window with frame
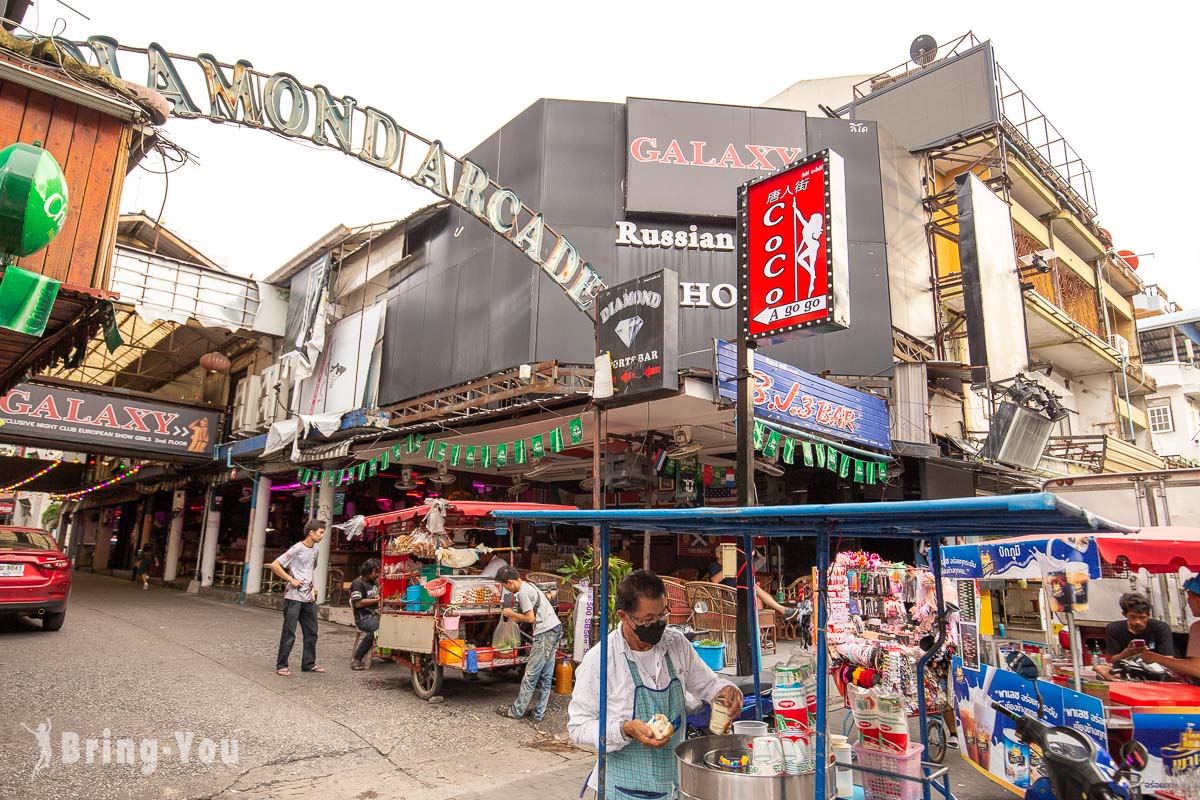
x,y
1161,420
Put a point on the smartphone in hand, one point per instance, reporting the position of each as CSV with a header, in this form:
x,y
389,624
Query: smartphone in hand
x,y
1138,643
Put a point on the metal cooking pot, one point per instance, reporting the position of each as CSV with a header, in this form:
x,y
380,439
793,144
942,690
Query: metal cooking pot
x,y
699,782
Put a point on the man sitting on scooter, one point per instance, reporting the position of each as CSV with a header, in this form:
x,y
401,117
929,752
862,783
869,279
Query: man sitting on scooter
x,y
1189,665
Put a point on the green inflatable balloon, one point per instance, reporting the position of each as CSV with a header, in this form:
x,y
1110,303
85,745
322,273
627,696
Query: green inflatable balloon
x,y
33,199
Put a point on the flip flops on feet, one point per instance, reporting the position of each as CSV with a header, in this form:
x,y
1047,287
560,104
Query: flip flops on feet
x,y
285,672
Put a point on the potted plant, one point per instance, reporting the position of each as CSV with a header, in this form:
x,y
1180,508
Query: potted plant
x,y
580,567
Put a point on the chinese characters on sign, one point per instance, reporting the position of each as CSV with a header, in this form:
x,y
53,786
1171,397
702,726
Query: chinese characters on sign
x,y
794,257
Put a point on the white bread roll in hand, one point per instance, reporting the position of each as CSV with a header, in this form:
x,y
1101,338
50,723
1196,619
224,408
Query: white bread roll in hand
x,y
660,726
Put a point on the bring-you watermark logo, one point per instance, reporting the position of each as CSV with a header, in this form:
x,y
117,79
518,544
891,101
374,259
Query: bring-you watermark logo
x,y
142,754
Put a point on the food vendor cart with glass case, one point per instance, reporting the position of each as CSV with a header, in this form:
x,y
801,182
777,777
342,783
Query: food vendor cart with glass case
x,y
432,616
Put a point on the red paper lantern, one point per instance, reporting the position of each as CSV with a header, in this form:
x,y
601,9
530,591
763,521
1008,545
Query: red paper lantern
x,y
215,362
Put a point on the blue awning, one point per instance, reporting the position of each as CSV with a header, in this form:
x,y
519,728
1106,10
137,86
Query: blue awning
x,y
1010,515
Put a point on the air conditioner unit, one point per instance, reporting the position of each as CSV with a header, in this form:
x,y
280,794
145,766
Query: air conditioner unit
x,y
1018,436
1119,343
626,471
249,415
239,406
270,407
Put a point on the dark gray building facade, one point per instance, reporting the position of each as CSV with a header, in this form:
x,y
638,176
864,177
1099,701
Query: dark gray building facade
x,y
636,187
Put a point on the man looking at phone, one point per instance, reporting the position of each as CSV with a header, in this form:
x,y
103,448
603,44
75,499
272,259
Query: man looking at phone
x,y
1189,665
1126,636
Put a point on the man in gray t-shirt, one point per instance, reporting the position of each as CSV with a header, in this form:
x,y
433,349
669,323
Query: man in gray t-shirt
x,y
533,608
296,567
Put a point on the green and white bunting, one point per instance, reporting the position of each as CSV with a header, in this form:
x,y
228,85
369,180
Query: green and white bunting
x,y
556,440
486,457
576,428
502,455
372,467
455,455
430,449
537,447
470,456
519,453
771,446
774,443
442,449
384,463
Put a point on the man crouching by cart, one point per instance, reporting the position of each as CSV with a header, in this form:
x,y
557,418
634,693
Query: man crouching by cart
x,y
533,608
650,667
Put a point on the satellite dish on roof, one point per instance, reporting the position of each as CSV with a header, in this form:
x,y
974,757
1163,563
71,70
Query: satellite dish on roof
x,y
923,49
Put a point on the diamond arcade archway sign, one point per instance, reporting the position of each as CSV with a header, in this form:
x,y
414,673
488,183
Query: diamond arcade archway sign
x,y
239,94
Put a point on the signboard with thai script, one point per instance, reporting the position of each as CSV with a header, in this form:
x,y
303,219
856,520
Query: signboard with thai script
x,y
791,396
794,253
107,423
639,330
988,739
1029,559
688,159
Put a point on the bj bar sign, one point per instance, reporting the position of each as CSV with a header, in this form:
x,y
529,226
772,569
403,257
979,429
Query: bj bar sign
x,y
793,258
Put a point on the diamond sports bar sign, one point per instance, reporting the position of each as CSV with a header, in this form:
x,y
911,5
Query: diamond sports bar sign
x,y
639,330
793,254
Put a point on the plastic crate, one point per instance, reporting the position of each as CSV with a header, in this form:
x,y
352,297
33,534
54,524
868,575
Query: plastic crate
x,y
882,787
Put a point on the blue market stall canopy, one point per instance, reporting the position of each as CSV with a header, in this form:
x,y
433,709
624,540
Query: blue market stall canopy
x,y
1021,557
967,516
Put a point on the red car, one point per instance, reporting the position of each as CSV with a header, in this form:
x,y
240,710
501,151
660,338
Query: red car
x,y
35,576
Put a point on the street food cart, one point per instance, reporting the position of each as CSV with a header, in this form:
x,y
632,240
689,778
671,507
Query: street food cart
x,y
1163,717
917,520
432,615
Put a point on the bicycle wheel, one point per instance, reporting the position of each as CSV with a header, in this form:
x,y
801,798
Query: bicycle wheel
x,y
936,728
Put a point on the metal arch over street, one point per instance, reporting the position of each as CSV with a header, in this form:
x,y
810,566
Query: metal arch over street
x,y
279,103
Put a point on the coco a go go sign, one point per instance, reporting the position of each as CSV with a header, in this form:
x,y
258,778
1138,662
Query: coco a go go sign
x,y
793,258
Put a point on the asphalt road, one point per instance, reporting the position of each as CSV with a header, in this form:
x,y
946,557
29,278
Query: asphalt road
x,y
189,683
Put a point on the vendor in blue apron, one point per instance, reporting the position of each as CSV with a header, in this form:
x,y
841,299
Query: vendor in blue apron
x,y
650,668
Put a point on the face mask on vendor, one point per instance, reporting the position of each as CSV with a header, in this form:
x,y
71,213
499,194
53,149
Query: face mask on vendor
x,y
648,627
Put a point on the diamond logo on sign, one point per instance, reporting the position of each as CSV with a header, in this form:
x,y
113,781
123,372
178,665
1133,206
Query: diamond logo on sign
x,y
627,330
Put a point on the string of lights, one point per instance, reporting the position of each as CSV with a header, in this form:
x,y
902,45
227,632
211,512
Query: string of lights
x,y
30,479
102,485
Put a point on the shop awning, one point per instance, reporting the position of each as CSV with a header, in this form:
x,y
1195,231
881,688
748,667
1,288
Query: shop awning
x,y
77,315
1158,550
470,509
967,516
1155,549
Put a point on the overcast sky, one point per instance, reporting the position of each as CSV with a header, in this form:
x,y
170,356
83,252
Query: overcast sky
x,y
1117,83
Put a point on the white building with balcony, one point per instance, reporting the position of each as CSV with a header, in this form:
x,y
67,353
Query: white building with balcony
x,y
1171,354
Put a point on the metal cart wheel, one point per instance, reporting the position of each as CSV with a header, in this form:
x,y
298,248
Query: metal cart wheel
x,y
427,677
936,728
